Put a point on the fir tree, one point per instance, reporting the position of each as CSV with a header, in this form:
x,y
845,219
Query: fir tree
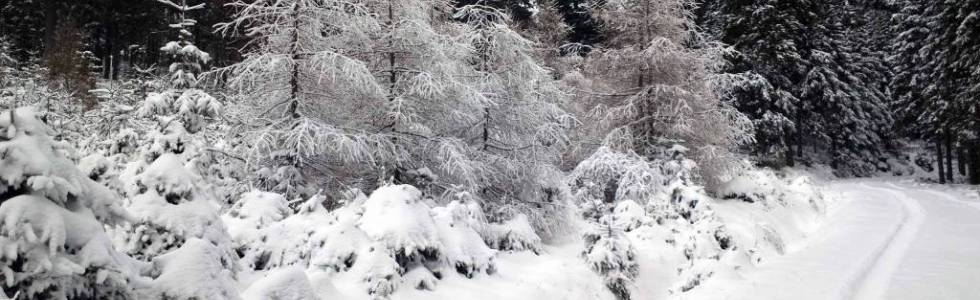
x,y
53,218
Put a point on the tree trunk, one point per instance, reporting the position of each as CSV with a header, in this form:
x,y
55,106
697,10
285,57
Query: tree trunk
x,y
50,23
798,139
834,163
790,160
975,148
294,79
974,165
961,160
949,154
939,159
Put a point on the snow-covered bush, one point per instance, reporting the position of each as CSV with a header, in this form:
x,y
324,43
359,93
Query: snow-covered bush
x,y
404,237
267,234
196,270
390,240
631,201
459,225
515,234
657,204
52,241
609,253
172,208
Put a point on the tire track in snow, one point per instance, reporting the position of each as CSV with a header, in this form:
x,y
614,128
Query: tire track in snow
x,y
873,280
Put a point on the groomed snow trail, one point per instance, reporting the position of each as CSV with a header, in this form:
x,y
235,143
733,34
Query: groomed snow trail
x,y
883,240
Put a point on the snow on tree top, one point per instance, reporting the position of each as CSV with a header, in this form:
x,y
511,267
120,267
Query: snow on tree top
x,y
195,271
396,216
260,208
30,160
167,174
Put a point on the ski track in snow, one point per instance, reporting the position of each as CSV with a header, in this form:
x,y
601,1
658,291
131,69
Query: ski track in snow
x,y
874,278
884,240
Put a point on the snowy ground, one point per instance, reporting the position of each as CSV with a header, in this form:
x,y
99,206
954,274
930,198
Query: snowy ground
x,y
882,240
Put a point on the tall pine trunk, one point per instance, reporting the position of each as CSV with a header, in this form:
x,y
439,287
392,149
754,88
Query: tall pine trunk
x,y
961,160
790,158
50,23
974,165
939,158
798,139
949,154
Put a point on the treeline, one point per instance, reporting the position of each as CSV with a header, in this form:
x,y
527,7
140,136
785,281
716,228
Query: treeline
x,y
841,83
128,34
936,58
119,33
816,79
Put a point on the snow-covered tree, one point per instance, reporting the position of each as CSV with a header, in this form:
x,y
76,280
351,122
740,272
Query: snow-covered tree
x,y
522,127
609,253
846,91
183,98
627,199
314,104
944,102
196,270
793,57
52,220
396,92
187,58
773,40
657,90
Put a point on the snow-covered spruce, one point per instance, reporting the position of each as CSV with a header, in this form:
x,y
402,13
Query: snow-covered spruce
x,y
52,241
609,253
183,98
267,234
407,239
196,270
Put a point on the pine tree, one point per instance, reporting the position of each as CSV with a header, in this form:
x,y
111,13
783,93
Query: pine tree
x,y
585,27
964,66
774,40
938,44
846,89
53,218
184,98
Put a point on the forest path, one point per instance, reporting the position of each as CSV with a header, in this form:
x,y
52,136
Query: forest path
x,y
882,240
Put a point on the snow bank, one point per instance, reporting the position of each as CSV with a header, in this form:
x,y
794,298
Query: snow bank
x,y
768,214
